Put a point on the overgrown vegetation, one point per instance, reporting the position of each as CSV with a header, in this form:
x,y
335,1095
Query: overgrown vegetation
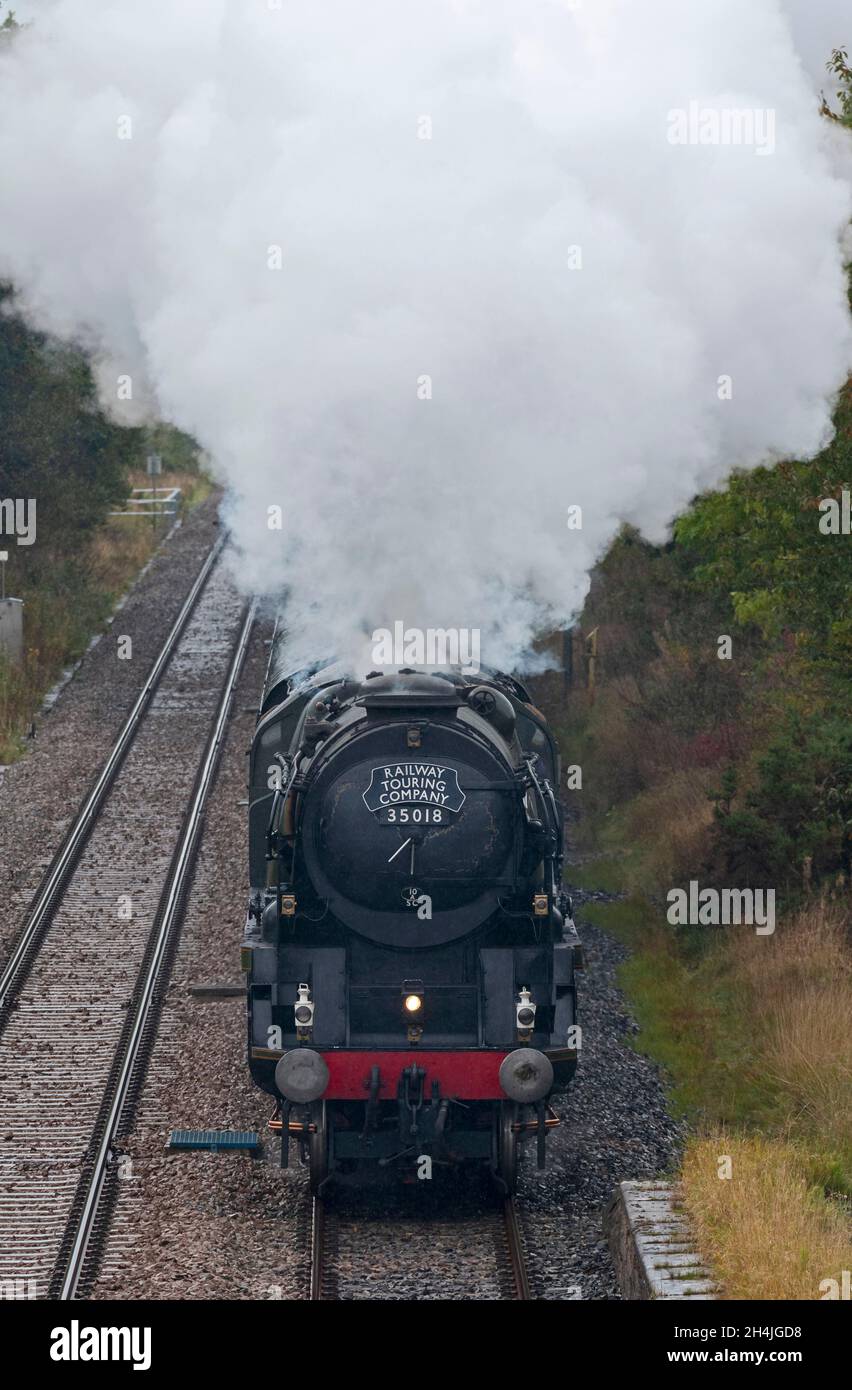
x,y
754,1032
60,449
739,749
768,1230
736,772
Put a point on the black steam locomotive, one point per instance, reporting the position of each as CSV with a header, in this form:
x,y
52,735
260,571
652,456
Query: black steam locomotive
x,y
409,949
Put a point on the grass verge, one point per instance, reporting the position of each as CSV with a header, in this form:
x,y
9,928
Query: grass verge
x,y
768,1228
754,1034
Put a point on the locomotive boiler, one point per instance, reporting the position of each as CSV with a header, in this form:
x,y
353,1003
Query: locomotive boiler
x,y
409,949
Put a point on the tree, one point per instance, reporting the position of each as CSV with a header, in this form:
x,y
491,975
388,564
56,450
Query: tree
x,y
838,64
56,445
759,541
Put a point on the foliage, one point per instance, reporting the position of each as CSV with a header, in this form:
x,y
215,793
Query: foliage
x,y
759,542
765,735
795,823
56,445
179,452
838,64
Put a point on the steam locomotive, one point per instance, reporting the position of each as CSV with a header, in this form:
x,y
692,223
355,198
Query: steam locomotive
x,y
410,952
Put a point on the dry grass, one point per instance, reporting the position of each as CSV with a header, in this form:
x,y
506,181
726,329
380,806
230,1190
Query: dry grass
x,y
754,1032
119,551
800,984
767,1231
611,746
678,814
125,543
777,1228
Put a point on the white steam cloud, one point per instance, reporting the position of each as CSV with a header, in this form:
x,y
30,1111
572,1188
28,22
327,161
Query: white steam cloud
x,y
481,193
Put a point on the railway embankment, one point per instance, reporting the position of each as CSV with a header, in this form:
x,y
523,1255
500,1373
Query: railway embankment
x,y
707,736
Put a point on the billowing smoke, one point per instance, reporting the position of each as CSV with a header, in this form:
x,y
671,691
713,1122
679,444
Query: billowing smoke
x,y
429,277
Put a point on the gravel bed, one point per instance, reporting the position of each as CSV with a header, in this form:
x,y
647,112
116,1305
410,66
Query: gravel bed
x,y
442,1242
201,1225
615,1126
59,1040
40,794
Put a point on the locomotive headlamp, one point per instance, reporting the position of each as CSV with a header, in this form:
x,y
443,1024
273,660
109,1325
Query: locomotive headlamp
x,y
412,996
412,1007
525,1013
303,1010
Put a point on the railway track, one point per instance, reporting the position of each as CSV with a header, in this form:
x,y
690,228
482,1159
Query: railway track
x,y
446,1250
80,994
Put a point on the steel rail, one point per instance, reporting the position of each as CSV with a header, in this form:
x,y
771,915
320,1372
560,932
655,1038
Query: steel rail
x,y
65,861
515,1246
168,917
510,1229
315,1291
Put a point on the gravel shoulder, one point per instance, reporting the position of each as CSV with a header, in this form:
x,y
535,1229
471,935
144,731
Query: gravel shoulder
x,y
615,1126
